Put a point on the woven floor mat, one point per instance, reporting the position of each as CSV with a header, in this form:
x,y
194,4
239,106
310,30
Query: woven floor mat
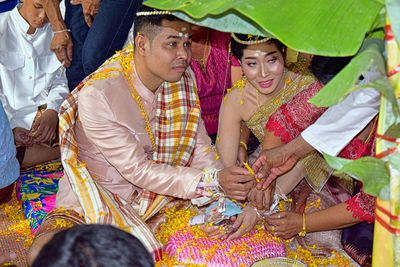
x,y
15,234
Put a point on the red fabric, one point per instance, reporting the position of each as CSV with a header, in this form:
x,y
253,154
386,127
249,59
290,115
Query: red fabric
x,y
213,83
292,118
362,206
234,61
295,116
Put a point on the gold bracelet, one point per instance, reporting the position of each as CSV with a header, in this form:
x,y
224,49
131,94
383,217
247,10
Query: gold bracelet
x,y
303,232
243,144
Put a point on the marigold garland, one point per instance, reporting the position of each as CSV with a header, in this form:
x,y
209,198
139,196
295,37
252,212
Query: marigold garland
x,y
19,225
178,219
126,60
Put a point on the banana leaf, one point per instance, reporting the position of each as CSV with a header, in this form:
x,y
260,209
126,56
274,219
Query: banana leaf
x,y
393,11
324,27
229,22
378,27
381,84
345,81
393,131
371,171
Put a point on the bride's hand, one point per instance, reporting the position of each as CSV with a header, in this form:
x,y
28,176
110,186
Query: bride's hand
x,y
214,231
244,222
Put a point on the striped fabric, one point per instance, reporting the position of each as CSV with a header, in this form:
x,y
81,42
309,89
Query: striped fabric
x,y
177,105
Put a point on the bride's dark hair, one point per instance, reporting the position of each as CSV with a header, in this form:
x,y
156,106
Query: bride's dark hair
x,y
239,42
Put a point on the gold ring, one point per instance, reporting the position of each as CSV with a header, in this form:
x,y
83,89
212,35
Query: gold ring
x,y
273,228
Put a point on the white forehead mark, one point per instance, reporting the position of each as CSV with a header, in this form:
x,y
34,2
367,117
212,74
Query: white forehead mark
x,y
186,35
183,29
257,53
180,34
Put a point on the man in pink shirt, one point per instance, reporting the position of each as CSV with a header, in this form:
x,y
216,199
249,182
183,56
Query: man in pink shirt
x,y
135,140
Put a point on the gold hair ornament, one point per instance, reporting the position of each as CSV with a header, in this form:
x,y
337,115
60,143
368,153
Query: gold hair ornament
x,y
153,13
250,42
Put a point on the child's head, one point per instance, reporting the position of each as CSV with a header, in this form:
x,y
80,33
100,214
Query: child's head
x,y
33,12
93,245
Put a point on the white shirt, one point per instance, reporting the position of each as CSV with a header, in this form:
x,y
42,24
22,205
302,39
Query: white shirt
x,y
30,74
343,121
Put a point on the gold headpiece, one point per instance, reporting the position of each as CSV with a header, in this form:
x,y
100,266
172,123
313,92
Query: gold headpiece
x,y
154,13
250,42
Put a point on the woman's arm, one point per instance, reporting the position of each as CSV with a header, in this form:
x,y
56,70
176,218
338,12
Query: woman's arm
x,y
262,199
271,140
229,129
288,224
243,140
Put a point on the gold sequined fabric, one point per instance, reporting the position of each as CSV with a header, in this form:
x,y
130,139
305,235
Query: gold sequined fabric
x,y
294,84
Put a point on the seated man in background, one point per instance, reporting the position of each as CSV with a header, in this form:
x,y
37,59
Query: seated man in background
x,y
32,82
94,245
140,139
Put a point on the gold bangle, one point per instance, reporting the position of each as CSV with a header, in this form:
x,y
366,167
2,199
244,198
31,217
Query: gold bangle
x,y
243,144
303,232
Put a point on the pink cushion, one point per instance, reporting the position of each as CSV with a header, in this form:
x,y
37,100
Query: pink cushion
x,y
185,247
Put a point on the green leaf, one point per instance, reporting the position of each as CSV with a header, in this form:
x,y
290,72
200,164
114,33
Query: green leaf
x,y
393,132
383,85
385,192
381,1
229,22
377,33
394,161
326,27
371,171
378,27
393,10
380,20
343,83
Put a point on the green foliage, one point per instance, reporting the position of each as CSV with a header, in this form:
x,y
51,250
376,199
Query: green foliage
x,y
393,11
323,27
371,171
393,132
394,160
345,82
382,84
227,22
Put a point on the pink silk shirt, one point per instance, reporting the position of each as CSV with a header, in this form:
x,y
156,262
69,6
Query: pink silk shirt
x,y
113,143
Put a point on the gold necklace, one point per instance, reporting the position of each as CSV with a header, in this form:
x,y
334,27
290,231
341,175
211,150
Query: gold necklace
x,y
125,58
127,64
277,100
